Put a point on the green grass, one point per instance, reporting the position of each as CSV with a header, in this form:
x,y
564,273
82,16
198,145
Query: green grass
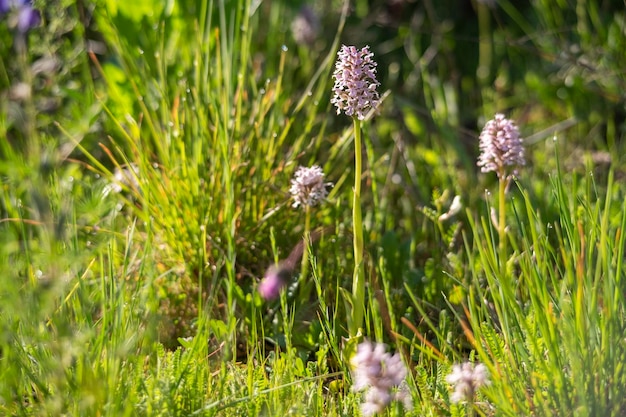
x,y
144,302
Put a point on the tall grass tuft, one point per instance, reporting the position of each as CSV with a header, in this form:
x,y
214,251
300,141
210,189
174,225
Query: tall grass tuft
x,y
550,325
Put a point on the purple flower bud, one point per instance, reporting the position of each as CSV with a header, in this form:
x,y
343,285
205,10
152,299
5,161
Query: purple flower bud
x,y
275,280
24,17
5,5
355,82
27,18
501,147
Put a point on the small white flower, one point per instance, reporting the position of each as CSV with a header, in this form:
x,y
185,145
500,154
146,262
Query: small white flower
x,y
454,209
123,177
466,380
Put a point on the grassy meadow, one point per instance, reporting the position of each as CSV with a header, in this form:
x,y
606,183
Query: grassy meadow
x,y
147,155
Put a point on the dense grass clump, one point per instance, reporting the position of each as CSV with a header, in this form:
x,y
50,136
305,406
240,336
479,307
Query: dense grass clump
x,y
270,208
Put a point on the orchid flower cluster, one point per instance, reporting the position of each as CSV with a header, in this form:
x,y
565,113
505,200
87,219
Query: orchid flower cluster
x,y
308,188
355,95
467,379
355,82
501,148
381,376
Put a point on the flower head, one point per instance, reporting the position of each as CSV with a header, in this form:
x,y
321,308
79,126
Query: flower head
x,y
466,380
308,187
501,147
355,82
381,375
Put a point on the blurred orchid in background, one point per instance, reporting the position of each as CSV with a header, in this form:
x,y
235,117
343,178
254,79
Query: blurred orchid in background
x,y
20,14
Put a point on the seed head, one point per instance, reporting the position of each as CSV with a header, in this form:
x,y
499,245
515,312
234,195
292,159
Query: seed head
x,y
501,147
466,380
308,187
355,82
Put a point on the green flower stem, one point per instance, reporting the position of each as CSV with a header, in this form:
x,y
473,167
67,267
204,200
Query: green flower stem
x,y
505,289
502,219
304,268
358,280
470,406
